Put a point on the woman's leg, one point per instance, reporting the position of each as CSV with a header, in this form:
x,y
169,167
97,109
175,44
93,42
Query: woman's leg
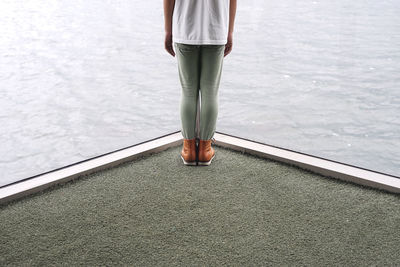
x,y
189,74
211,61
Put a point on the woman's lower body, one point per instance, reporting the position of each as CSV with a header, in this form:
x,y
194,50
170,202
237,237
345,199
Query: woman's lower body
x,y
200,68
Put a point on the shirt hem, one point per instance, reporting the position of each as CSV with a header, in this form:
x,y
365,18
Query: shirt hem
x,y
199,42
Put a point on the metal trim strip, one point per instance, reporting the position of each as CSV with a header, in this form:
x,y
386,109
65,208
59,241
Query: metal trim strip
x,y
315,164
65,174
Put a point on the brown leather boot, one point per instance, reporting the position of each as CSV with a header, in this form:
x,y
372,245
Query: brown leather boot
x,y
188,153
206,152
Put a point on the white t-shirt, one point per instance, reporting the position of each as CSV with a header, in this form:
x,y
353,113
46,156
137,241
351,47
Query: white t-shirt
x,y
200,21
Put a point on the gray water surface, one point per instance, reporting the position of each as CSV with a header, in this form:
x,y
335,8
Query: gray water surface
x,y
82,78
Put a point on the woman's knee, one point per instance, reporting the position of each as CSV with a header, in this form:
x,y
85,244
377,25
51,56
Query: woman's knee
x,y
209,107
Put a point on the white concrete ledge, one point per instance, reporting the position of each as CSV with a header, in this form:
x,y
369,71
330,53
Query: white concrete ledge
x,y
318,165
62,175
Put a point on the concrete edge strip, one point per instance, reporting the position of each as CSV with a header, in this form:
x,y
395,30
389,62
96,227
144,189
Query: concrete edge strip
x,y
321,166
41,182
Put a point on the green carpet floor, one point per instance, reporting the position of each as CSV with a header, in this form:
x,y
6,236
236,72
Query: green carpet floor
x,y
241,210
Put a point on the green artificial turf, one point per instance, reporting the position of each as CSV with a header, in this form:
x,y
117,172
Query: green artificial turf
x,y
240,210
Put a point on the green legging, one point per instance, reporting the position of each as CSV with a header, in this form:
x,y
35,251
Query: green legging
x,y
200,68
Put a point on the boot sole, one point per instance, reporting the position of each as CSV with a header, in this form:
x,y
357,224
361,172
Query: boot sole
x,y
206,163
192,163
